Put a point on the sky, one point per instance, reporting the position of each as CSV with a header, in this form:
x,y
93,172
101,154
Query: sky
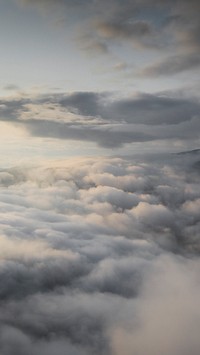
x,y
98,77
99,177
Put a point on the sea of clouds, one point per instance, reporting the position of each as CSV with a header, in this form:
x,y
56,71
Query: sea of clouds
x,y
101,256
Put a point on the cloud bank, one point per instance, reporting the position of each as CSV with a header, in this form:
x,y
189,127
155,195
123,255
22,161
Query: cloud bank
x,y
101,256
106,119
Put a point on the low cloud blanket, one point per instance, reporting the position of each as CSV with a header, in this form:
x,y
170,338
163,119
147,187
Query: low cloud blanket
x,y
101,256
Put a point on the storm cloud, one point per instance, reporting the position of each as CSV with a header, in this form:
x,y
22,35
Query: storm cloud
x,y
100,256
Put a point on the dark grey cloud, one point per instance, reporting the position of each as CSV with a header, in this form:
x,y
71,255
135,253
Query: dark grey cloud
x,y
85,103
172,65
9,109
154,109
144,108
108,137
104,118
96,254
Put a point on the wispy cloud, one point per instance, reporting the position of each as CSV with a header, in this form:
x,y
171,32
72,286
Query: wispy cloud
x,y
170,26
172,65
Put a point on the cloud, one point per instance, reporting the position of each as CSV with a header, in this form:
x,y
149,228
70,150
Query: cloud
x,y
104,118
137,32
172,65
96,255
104,136
9,108
165,317
140,25
11,87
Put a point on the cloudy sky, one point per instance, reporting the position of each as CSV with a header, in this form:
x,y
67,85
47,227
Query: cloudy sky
x,y
99,177
98,77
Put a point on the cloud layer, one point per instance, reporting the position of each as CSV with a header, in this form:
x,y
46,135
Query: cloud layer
x,y
100,256
104,118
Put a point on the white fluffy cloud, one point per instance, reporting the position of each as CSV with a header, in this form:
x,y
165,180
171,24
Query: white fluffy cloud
x,y
100,256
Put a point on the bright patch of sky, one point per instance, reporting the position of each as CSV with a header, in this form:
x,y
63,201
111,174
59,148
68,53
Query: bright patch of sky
x,y
37,51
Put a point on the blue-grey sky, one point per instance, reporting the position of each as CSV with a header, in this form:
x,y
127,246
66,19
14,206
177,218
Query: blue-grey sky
x,y
80,46
100,71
